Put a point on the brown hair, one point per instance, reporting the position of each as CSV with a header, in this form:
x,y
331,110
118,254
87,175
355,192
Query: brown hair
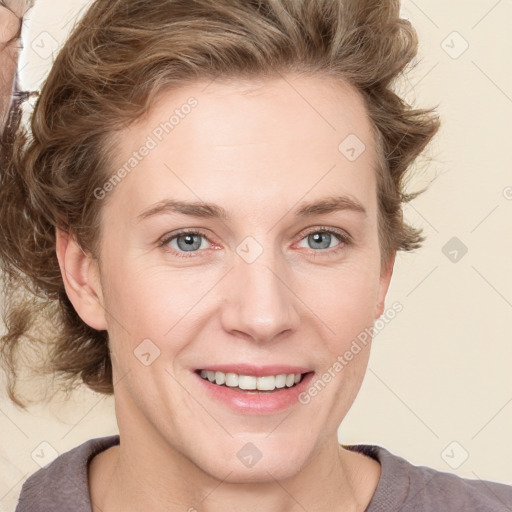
x,y
117,58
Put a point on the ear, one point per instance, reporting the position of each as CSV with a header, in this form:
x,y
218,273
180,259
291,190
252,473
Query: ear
x,y
385,279
80,274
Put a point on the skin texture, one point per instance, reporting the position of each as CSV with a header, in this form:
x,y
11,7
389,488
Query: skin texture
x,y
10,19
259,150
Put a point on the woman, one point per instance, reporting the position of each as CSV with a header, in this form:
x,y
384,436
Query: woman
x,y
210,207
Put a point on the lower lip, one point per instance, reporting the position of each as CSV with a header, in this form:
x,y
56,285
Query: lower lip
x,y
254,403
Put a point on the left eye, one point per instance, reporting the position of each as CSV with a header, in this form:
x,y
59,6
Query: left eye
x,y
321,239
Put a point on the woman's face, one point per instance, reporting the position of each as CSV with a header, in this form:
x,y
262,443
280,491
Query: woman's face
x,y
260,291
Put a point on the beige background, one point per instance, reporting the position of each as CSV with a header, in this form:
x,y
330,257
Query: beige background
x,y
438,390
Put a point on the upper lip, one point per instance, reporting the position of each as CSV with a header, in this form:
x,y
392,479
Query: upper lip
x,y
257,371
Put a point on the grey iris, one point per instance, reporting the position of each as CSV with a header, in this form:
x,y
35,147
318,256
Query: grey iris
x,y
316,237
192,242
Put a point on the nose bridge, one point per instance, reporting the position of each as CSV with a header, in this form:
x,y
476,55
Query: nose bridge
x,y
259,302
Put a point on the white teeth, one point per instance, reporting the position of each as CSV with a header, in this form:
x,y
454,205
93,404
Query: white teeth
x,y
290,379
267,383
247,382
232,380
280,381
251,382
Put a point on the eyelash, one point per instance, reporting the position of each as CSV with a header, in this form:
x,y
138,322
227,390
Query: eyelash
x,y
345,240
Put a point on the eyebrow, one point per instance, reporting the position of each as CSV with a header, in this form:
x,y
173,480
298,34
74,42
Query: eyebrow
x,y
214,211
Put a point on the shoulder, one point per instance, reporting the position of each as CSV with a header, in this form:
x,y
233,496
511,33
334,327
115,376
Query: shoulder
x,y
63,481
406,487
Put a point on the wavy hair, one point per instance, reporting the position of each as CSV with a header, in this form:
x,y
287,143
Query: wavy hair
x,y
118,57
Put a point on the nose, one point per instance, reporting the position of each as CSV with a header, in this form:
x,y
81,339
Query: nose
x,y
259,303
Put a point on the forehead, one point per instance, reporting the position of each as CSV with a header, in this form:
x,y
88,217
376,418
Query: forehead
x,y
311,107
275,138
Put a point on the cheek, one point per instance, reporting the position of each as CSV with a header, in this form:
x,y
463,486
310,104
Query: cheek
x,y
344,298
346,310
155,302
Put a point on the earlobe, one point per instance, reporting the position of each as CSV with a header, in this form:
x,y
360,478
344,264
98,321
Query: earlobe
x,y
81,280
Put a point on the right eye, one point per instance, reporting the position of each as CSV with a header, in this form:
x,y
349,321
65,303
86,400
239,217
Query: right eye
x,y
187,241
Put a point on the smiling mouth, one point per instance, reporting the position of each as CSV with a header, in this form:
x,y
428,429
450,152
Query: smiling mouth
x,y
252,383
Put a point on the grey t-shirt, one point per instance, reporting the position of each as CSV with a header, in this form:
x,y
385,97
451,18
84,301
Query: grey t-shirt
x,y
62,485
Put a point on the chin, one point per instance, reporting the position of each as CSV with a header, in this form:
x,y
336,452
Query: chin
x,y
256,459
